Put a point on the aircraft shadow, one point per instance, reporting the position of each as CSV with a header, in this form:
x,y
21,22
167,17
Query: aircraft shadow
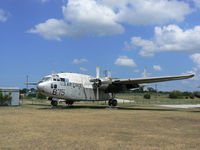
x,y
136,108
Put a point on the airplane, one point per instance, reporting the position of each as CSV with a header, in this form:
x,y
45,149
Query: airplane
x,y
72,87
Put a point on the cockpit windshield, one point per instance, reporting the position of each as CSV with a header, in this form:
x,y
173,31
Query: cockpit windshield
x,y
46,78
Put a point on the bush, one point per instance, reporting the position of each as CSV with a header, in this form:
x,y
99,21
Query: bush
x,y
41,96
147,96
192,96
175,95
4,99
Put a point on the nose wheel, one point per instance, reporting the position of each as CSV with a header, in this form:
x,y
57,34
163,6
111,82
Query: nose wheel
x,y
112,102
54,103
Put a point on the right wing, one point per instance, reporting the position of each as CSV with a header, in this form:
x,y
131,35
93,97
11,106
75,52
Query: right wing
x,y
150,79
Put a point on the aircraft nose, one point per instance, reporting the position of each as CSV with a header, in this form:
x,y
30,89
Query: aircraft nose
x,y
41,87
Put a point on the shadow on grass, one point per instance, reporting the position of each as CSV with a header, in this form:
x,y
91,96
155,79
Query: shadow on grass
x,y
132,108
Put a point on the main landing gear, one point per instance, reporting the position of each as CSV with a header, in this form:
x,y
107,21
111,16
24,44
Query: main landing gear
x,y
69,103
112,102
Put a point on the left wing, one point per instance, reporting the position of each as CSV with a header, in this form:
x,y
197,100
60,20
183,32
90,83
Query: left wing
x,y
150,79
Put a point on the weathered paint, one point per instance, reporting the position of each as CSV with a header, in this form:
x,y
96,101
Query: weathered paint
x,y
78,87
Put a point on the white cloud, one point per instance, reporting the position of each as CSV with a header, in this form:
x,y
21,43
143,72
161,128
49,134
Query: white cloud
x,y
196,59
157,68
89,17
83,69
195,70
79,61
169,38
125,61
197,3
3,16
52,29
105,17
153,11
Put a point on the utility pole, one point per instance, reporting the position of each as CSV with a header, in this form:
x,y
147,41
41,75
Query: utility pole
x,y
27,82
156,90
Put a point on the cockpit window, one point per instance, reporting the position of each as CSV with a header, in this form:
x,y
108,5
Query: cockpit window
x,y
46,78
58,79
62,79
54,79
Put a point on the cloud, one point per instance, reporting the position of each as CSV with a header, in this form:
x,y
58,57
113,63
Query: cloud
x,y
3,16
157,68
145,12
195,70
52,29
125,61
196,59
88,17
169,38
79,61
197,3
107,17
83,69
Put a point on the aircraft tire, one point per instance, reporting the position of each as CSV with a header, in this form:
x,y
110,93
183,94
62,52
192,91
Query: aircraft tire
x,y
54,103
110,102
114,102
69,102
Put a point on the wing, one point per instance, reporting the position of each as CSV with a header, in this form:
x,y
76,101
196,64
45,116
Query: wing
x,y
150,79
31,83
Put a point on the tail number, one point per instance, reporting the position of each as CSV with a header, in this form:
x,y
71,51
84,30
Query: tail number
x,y
58,92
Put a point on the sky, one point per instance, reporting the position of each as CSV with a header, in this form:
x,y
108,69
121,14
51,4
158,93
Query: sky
x,y
38,37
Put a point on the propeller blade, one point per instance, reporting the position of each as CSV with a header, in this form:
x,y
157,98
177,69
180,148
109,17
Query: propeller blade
x,y
97,72
97,93
109,74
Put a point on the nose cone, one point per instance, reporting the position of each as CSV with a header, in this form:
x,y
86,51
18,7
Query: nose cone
x,y
41,87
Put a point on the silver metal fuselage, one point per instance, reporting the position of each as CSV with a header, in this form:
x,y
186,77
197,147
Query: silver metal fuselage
x,y
71,86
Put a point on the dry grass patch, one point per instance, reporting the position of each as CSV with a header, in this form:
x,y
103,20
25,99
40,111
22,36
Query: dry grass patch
x,y
97,127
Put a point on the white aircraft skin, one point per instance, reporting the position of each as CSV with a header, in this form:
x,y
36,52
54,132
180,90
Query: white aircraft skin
x,y
72,87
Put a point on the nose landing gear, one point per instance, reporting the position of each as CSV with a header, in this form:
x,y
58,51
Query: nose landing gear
x,y
112,102
54,103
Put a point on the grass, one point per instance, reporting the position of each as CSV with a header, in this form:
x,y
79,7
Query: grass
x,y
138,99
98,127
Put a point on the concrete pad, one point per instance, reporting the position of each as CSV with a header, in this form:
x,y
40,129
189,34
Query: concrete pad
x,y
181,106
125,101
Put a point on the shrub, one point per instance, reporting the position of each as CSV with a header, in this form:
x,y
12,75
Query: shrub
x,y
1,95
192,96
41,96
147,96
175,95
5,98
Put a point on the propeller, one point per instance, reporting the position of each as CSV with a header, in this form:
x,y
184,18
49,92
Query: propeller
x,y
100,83
97,82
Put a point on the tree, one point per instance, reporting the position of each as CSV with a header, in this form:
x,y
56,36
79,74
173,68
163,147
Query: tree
x,y
147,96
41,96
175,94
23,91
